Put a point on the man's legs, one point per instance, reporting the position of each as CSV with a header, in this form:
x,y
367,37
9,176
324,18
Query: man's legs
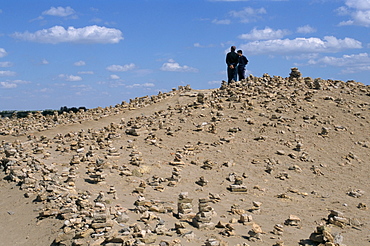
x,y
230,74
241,73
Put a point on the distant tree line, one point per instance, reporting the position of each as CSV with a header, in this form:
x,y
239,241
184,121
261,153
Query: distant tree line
x,y
25,113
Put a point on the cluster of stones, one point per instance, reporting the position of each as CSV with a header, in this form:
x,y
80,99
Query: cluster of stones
x,y
96,222
175,177
185,207
323,236
38,122
237,186
203,219
136,158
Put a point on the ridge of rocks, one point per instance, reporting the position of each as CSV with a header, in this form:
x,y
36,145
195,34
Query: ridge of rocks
x,y
266,161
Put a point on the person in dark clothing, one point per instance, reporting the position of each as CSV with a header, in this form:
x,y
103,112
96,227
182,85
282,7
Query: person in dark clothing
x,y
232,62
243,61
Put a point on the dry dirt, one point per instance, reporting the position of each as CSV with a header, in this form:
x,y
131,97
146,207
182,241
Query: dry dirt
x,y
298,150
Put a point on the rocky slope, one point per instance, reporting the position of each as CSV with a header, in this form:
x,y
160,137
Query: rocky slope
x,y
263,161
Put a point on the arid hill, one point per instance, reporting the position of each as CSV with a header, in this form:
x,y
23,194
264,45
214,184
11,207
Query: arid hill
x,y
263,161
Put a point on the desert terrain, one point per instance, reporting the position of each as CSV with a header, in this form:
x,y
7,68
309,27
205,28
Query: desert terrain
x,y
263,161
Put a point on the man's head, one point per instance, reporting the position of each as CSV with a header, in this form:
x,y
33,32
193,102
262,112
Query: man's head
x,y
240,52
233,48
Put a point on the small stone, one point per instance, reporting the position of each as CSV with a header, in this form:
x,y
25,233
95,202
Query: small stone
x,y
293,220
257,204
280,152
356,193
362,206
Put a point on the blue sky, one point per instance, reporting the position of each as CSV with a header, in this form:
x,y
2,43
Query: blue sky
x,y
99,53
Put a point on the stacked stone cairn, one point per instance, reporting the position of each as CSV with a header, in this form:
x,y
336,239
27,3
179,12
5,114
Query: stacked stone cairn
x,y
202,181
136,158
89,221
185,207
295,73
203,219
175,177
177,160
323,236
238,184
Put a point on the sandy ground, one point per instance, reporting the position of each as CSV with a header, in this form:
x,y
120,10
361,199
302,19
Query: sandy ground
x,y
257,143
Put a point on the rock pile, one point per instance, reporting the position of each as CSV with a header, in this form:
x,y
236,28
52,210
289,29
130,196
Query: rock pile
x,y
114,183
203,219
185,207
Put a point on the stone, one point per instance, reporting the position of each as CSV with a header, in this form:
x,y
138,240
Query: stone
x,y
202,219
245,218
85,233
200,98
362,206
295,73
278,229
202,181
356,193
122,218
185,207
324,131
293,221
255,233
323,235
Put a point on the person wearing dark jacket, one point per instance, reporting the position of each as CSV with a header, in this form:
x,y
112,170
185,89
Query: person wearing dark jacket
x,y
243,61
232,63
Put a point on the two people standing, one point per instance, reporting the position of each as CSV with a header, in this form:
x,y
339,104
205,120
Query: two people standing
x,y
236,63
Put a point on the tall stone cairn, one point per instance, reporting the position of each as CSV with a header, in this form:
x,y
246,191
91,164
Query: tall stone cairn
x,y
295,73
185,207
202,219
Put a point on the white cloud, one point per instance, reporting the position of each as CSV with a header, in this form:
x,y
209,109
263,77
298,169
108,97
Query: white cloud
x,y
306,29
143,72
221,22
37,18
58,34
9,84
3,52
96,20
85,72
44,62
79,63
46,90
358,4
352,63
358,10
172,66
80,86
111,84
7,73
198,45
356,69
248,14
71,78
305,56
59,11
141,85
329,44
114,76
119,68
6,64
266,33
214,82
345,60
